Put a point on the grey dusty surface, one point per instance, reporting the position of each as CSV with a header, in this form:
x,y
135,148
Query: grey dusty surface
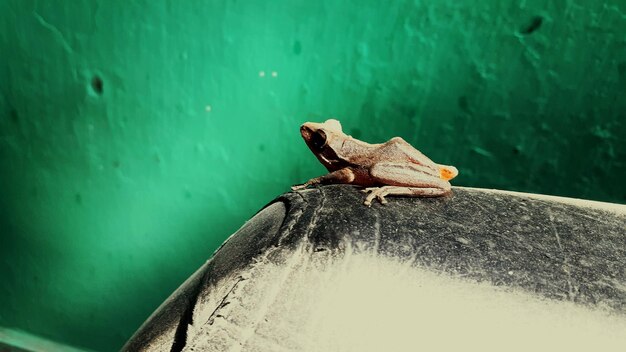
x,y
317,270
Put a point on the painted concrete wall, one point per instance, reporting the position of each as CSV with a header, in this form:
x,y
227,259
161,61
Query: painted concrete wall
x,y
135,136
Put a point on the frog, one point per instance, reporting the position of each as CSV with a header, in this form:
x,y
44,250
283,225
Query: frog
x,y
392,168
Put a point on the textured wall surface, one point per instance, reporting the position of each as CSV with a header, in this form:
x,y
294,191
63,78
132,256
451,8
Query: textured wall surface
x,y
136,135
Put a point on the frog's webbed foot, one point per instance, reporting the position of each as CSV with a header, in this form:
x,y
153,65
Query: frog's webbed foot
x,y
381,192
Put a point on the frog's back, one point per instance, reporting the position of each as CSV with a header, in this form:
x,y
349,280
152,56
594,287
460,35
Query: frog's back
x,y
399,150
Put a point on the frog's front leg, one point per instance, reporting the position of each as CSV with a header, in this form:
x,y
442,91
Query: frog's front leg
x,y
405,179
345,175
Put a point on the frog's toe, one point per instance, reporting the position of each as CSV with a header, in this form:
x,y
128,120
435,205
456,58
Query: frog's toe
x,y
377,193
368,200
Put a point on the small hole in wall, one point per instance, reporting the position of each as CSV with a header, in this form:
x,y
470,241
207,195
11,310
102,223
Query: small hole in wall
x,y
14,117
463,104
97,85
532,26
297,47
621,70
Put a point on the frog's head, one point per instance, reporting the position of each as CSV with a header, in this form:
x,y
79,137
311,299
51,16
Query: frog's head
x,y
325,140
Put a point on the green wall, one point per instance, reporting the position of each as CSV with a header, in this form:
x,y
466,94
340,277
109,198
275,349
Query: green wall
x,y
135,136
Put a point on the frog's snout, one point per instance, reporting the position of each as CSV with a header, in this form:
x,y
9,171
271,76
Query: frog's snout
x,y
305,131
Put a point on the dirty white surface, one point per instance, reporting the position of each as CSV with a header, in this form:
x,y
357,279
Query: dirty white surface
x,y
359,302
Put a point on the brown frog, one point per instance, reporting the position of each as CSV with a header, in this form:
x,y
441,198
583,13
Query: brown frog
x,y
390,168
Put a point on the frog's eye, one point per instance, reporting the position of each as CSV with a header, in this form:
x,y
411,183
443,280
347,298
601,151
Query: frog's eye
x,y
318,140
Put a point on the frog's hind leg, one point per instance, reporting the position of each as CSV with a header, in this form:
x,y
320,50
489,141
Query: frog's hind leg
x,y
405,179
381,192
